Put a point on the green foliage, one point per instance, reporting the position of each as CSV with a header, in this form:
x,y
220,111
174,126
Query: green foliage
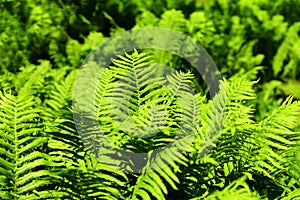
x,y
24,165
287,56
12,39
241,144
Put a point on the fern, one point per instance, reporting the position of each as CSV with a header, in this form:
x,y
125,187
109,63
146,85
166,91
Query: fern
x,y
131,101
277,142
76,172
222,132
287,56
91,180
236,190
76,52
60,95
162,168
150,136
23,165
236,149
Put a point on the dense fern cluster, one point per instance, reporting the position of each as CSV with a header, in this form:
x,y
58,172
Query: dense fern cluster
x,y
44,156
166,139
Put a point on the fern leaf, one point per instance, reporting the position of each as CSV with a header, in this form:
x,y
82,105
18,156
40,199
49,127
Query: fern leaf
x,y
22,160
277,140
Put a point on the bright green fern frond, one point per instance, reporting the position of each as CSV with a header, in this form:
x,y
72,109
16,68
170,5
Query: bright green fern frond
x,y
221,147
136,93
160,170
22,162
152,183
277,141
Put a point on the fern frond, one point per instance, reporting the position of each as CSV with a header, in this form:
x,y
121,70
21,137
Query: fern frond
x,y
162,167
60,96
152,182
277,142
59,59
22,161
93,139
288,52
222,142
136,92
93,180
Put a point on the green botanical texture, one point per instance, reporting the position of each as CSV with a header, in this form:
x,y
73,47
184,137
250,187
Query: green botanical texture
x,y
24,172
242,143
239,145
